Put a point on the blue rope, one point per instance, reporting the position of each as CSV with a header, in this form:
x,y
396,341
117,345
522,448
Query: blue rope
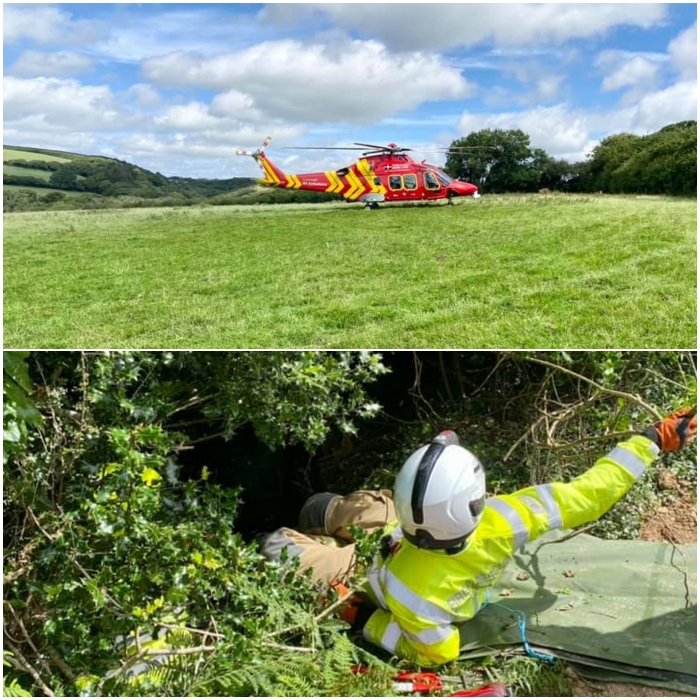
x,y
522,622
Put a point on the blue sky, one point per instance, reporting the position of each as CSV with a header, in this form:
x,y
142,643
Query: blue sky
x,y
180,87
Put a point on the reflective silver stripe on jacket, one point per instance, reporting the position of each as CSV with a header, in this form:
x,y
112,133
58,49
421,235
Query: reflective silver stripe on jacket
x,y
434,635
629,461
391,636
477,603
546,494
516,523
412,601
373,578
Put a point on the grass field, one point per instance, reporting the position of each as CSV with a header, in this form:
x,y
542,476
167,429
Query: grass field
x,y
43,190
16,154
501,272
27,172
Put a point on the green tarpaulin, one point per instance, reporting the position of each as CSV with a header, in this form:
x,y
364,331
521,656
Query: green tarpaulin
x,y
620,610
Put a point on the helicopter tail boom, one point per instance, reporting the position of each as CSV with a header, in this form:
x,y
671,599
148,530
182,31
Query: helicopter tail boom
x,y
356,182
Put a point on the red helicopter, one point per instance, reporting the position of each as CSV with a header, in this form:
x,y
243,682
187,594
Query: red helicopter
x,y
382,174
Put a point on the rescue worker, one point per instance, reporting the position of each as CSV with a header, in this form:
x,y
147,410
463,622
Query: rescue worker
x,y
451,543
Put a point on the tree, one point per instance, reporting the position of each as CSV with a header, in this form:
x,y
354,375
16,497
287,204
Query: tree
x,y
610,155
64,178
502,161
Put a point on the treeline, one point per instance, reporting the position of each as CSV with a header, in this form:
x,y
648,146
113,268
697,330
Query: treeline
x,y
114,178
33,199
504,161
497,160
104,183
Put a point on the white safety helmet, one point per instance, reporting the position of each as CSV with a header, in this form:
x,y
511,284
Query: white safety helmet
x,y
440,494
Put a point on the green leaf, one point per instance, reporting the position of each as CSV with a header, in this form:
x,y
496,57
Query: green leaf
x,y
150,476
11,432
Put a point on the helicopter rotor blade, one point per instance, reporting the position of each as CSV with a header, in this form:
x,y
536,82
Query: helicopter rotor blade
x,y
374,146
320,148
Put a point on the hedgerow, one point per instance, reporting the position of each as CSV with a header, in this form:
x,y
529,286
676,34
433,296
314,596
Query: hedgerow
x,y
126,574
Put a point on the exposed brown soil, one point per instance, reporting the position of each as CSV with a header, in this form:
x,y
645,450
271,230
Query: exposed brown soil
x,y
676,522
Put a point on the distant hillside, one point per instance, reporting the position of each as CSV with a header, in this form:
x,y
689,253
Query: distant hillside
x,y
36,178
64,171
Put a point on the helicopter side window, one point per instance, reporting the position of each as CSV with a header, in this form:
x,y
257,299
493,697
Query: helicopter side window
x,y
410,182
395,182
431,182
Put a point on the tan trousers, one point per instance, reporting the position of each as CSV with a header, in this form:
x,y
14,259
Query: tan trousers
x,y
326,545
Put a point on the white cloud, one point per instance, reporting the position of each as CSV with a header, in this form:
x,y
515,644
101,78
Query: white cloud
x,y
52,103
47,24
548,86
684,52
37,63
190,117
146,95
657,109
234,104
558,130
358,81
629,69
409,27
570,134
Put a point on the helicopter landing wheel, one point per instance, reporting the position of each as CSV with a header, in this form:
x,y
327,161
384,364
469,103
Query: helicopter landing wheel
x,y
451,200
372,205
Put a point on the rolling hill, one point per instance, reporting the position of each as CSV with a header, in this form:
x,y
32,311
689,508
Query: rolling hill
x,y
61,171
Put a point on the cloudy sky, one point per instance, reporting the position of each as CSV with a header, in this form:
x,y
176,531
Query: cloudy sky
x,y
179,87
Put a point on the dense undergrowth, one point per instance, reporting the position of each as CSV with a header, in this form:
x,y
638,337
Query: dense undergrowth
x,y
125,573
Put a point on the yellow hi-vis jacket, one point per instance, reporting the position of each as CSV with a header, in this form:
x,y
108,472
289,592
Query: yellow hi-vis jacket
x,y
421,595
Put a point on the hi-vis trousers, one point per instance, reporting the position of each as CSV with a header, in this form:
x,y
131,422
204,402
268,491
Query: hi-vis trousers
x,y
323,541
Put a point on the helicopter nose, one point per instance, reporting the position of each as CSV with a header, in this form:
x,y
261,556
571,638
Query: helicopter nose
x,y
463,189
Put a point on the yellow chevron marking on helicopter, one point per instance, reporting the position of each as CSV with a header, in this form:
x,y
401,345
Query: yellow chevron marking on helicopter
x,y
356,187
336,183
293,182
366,169
270,172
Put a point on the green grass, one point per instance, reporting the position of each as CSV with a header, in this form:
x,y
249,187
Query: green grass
x,y
17,154
27,172
501,272
44,190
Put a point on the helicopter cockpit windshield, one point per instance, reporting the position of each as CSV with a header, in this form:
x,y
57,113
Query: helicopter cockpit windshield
x,y
444,178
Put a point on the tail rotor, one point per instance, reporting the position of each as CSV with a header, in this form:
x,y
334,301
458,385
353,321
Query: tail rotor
x,y
259,152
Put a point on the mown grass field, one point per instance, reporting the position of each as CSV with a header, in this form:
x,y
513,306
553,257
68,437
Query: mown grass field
x,y
500,272
17,154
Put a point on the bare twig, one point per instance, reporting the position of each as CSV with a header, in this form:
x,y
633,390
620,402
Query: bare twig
x,y
284,647
580,531
177,652
24,665
321,616
63,667
592,438
193,630
339,603
672,541
490,374
14,575
613,392
523,437
192,401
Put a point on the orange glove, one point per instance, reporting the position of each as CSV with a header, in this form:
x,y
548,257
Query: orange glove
x,y
350,611
675,431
